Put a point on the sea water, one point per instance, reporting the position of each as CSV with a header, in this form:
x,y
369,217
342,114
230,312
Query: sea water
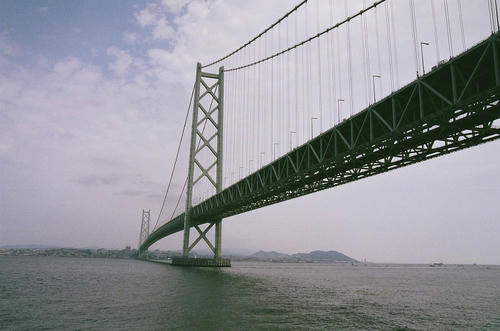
x,y
56,293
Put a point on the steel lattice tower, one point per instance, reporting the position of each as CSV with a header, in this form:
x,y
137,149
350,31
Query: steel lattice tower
x,y
209,88
144,234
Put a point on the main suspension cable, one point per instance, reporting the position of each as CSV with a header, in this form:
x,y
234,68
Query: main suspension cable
x,y
258,36
176,158
308,39
197,146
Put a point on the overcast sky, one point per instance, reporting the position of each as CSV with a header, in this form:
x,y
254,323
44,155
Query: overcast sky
x,y
92,100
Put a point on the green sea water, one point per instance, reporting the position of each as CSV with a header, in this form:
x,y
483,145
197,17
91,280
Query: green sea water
x,y
53,293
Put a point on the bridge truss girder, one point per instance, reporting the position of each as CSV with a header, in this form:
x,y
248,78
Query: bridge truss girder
x,y
450,108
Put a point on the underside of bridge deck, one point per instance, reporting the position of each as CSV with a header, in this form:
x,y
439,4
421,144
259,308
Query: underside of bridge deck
x,y
450,108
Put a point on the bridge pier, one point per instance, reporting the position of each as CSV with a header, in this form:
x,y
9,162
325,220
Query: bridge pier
x,y
201,262
218,239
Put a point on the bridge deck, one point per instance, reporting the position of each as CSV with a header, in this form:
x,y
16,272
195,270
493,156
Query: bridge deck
x,y
448,109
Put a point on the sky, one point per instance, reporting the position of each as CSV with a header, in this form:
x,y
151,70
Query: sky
x,y
92,101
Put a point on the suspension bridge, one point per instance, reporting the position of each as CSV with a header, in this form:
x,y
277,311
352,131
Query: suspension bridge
x,y
332,92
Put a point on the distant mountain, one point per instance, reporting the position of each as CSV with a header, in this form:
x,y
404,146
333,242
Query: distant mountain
x,y
315,256
322,256
225,252
236,254
262,255
237,251
30,247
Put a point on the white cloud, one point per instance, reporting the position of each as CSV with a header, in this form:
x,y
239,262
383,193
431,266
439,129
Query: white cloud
x,y
130,37
174,6
155,16
122,61
163,30
67,66
147,16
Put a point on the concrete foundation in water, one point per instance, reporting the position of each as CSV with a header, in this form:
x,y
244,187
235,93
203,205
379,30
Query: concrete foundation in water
x,y
201,262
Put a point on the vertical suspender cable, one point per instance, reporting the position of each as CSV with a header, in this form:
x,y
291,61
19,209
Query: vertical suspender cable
x,y
366,79
234,121
279,90
243,118
396,64
436,40
255,111
240,123
288,111
448,28
304,84
319,71
490,15
227,122
329,56
349,59
461,19
248,125
272,97
259,109
309,73
377,37
296,55
233,124
389,45
265,140
339,71
334,73
414,34
496,15
283,93
368,58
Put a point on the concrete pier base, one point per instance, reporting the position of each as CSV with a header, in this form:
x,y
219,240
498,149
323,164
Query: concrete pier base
x,y
201,262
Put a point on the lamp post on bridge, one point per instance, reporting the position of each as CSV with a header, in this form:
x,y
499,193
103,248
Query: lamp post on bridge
x,y
274,150
422,43
338,109
250,162
261,154
239,171
373,81
291,132
312,119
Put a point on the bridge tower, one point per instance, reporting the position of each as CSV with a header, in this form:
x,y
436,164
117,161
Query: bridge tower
x,y
205,161
144,233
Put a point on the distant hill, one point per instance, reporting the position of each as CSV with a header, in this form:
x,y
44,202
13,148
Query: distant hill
x,y
237,255
30,247
262,255
322,256
315,256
